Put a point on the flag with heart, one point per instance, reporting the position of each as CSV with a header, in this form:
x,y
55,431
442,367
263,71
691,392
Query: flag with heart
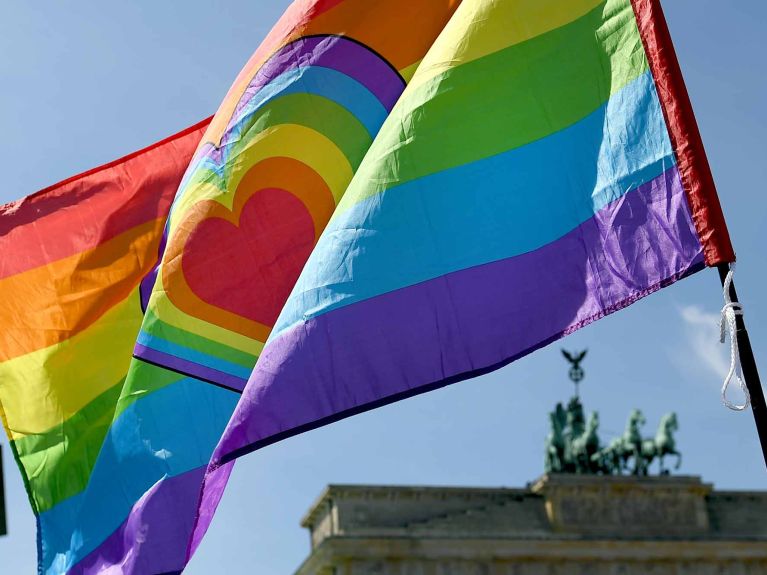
x,y
393,196
258,192
542,169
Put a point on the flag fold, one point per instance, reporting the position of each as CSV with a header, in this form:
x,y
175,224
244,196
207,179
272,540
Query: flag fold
x,y
393,196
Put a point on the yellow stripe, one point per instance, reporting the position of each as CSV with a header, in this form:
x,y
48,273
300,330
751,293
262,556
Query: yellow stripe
x,y
286,140
44,388
408,73
163,308
305,145
494,25
191,195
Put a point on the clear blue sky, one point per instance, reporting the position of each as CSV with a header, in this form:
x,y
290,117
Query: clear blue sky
x,y
85,82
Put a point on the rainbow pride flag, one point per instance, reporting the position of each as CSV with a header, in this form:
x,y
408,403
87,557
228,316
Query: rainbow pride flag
x,y
260,188
541,170
73,257
394,196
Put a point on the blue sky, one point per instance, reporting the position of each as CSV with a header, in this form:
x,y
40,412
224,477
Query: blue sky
x,y
86,82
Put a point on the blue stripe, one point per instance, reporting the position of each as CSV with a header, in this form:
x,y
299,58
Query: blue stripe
x,y
193,355
491,209
327,83
316,80
166,433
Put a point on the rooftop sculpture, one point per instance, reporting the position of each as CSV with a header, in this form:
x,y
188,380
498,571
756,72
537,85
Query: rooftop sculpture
x,y
573,444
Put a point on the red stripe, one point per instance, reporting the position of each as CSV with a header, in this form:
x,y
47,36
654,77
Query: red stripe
x,y
683,130
325,5
91,208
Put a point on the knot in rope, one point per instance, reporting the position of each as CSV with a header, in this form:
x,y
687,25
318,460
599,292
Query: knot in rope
x,y
728,325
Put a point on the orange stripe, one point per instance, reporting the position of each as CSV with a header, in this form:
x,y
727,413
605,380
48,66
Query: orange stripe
x,y
49,304
401,33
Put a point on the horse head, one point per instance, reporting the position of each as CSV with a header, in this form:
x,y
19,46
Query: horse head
x,y
636,419
668,425
635,422
670,421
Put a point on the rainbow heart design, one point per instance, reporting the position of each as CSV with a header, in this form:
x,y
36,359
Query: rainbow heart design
x,y
251,265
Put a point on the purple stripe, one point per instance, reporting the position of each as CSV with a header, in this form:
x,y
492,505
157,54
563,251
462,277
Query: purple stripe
x,y
215,483
341,54
154,537
455,326
190,368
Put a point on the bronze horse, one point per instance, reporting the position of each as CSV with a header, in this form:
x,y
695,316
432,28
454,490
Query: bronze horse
x,y
661,445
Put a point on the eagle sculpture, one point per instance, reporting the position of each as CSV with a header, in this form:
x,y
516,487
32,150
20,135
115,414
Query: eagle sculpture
x,y
574,359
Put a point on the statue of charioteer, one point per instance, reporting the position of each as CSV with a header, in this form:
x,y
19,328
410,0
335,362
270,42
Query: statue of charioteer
x,y
573,444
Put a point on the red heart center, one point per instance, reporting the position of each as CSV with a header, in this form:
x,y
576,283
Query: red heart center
x,y
250,268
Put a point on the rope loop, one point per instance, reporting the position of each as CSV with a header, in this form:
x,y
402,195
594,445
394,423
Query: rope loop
x,y
728,326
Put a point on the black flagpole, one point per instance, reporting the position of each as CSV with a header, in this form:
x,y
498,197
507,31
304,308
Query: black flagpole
x,y
3,525
748,366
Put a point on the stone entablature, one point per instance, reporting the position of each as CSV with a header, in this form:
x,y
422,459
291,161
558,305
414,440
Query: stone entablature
x,y
626,507
560,524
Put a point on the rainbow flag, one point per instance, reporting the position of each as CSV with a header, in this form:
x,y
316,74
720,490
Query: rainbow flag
x,y
73,259
542,169
394,196
260,188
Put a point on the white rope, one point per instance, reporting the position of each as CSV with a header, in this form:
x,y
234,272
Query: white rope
x,y
727,325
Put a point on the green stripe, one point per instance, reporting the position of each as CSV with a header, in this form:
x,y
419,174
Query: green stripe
x,y
145,379
24,477
323,116
319,114
59,461
528,91
196,342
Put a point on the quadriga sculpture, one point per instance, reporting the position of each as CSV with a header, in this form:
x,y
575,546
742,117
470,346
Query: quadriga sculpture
x,y
573,446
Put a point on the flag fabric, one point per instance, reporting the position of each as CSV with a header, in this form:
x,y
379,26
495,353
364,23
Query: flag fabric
x,y
260,188
393,196
73,258
542,170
